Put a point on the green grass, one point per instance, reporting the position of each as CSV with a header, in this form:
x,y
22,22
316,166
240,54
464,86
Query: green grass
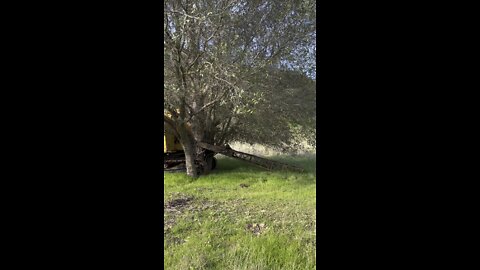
x,y
210,230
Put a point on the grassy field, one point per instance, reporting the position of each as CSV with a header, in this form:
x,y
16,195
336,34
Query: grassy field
x,y
241,217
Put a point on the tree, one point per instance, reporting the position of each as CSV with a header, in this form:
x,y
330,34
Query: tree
x,y
229,64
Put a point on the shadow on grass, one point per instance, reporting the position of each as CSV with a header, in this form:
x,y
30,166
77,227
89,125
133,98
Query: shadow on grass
x,y
226,165
234,170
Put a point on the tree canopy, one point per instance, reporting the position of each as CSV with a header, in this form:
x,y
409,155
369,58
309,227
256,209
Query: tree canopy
x,y
241,70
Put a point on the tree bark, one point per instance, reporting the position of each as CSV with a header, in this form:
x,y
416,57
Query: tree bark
x,y
188,143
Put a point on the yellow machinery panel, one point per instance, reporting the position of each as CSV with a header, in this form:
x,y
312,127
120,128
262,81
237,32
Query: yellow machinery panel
x,y
171,143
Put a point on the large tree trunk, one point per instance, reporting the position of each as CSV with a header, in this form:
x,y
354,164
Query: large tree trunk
x,y
202,131
190,155
188,143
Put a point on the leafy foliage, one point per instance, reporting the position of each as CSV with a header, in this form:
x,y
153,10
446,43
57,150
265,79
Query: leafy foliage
x,y
241,70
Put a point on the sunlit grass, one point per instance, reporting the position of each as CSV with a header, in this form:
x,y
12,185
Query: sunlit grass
x,y
211,231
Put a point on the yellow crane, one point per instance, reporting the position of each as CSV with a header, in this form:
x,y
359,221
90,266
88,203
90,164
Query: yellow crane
x,y
174,156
